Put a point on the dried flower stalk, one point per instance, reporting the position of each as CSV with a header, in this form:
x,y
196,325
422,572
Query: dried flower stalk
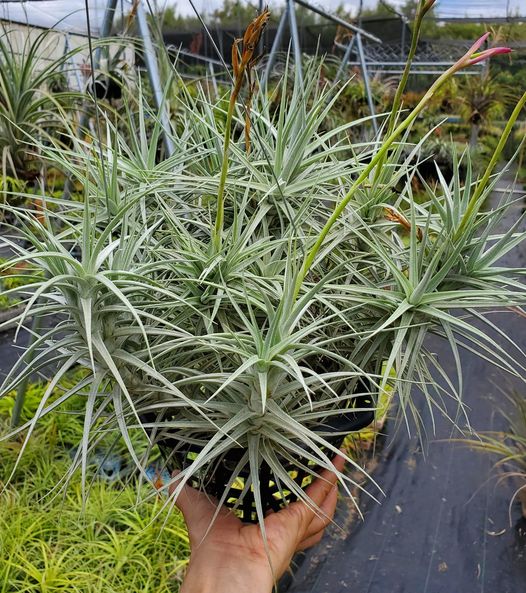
x,y
395,216
244,59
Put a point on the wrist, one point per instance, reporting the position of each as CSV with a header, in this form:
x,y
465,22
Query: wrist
x,y
223,573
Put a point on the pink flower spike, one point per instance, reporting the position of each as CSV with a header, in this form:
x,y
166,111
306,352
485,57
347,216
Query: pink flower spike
x,y
488,53
477,45
473,56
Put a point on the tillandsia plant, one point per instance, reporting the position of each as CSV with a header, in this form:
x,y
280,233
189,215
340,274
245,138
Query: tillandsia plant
x,y
30,106
233,307
243,67
508,447
482,100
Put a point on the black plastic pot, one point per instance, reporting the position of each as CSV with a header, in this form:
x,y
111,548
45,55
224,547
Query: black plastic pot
x,y
179,455
106,87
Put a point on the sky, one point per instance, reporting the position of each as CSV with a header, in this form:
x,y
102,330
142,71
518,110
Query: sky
x,y
46,13
451,8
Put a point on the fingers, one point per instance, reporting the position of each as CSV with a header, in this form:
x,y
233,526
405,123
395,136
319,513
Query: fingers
x,y
315,516
325,513
194,505
308,520
321,520
323,484
339,462
310,541
184,500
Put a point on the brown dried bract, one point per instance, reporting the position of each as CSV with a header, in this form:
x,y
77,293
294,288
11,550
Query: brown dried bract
x,y
395,216
244,58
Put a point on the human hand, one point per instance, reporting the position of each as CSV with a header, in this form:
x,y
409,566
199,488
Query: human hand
x,y
232,556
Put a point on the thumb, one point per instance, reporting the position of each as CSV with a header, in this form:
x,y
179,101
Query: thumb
x,y
196,507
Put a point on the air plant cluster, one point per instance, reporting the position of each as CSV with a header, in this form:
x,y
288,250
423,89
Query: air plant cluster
x,y
508,447
30,105
235,300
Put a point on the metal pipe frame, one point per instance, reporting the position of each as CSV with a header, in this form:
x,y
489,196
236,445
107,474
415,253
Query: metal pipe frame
x,y
345,59
290,14
105,29
154,77
399,64
71,61
366,81
338,21
293,25
433,72
342,46
275,45
185,52
107,23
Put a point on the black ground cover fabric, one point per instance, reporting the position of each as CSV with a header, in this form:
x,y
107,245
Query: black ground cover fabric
x,y
443,527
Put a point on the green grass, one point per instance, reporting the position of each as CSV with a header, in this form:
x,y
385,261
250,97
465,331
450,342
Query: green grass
x,y
10,280
50,543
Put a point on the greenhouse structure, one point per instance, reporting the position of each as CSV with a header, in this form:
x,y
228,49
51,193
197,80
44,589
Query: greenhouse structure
x,y
262,296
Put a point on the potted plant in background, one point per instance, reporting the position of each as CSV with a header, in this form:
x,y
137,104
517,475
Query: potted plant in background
x,y
482,100
234,302
33,98
509,447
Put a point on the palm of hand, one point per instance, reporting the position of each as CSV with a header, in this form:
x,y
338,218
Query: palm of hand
x,y
224,542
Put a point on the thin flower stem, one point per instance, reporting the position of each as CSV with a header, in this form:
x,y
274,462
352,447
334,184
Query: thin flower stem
x,y
397,101
220,216
242,68
380,155
474,202
471,57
